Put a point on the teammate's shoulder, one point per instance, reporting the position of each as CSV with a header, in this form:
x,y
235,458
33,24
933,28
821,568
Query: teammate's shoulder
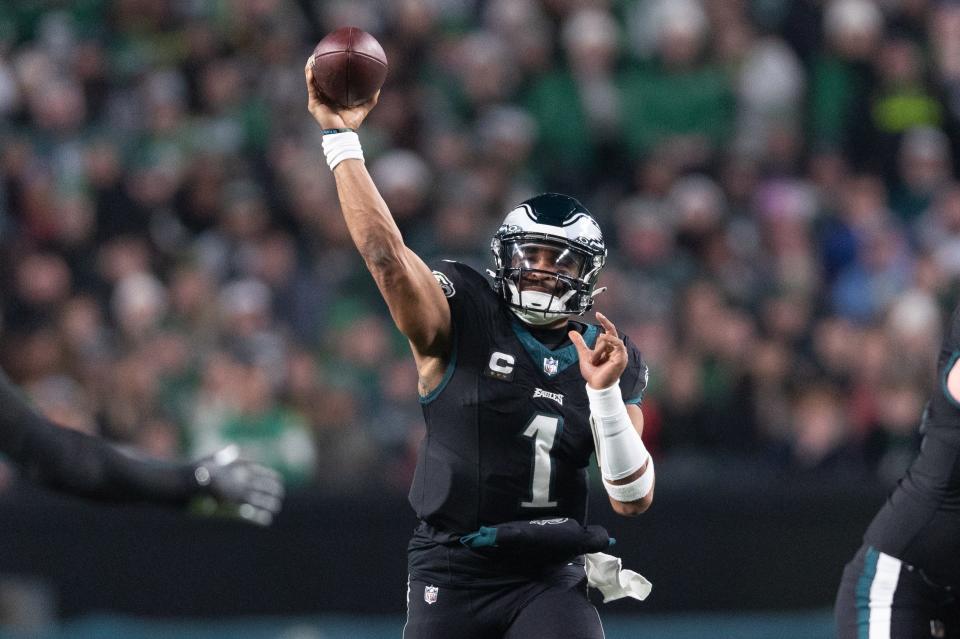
x,y
455,276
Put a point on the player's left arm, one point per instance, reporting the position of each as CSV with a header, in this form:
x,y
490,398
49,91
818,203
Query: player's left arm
x,y
644,474
625,465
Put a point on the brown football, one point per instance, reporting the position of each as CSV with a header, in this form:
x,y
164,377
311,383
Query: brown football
x,y
349,66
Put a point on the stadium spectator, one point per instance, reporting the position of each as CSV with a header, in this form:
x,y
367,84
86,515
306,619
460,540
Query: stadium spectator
x,y
149,163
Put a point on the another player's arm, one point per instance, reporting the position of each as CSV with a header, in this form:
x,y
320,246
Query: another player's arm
x,y
78,463
625,464
416,302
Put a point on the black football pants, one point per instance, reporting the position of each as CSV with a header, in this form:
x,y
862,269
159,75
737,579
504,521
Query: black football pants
x,y
533,610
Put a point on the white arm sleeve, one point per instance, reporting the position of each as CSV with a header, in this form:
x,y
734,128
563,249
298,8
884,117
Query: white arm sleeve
x,y
620,451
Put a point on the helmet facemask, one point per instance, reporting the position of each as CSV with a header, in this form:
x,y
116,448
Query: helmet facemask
x,y
545,279
548,254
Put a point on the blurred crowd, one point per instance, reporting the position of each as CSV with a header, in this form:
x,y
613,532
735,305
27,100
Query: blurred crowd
x,y
775,179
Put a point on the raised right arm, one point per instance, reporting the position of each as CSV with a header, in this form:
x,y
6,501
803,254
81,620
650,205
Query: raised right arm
x,y
416,301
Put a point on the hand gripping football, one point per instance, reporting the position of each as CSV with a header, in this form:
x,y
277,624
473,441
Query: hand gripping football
x,y
349,66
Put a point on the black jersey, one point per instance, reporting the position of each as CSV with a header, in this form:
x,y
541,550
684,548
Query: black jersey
x,y
920,522
507,430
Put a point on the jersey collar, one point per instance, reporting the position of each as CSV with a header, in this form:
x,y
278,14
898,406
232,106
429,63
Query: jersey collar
x,y
552,362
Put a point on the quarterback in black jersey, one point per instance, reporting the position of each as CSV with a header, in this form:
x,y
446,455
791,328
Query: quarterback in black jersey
x,y
516,395
904,581
87,466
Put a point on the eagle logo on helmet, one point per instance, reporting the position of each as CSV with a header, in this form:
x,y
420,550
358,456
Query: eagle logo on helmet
x,y
548,254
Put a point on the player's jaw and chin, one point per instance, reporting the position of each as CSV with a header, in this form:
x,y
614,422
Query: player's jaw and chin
x,y
537,295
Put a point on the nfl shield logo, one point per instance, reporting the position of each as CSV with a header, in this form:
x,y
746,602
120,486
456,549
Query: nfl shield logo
x,y
550,365
430,594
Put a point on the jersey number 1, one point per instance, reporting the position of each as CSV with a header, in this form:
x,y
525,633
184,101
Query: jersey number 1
x,y
543,430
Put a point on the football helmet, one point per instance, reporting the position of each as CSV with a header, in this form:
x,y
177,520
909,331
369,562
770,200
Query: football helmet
x,y
548,254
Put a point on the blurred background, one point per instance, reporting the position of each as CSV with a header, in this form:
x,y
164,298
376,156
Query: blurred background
x,y
776,181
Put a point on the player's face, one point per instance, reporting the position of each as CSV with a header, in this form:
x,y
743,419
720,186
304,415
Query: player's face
x,y
538,261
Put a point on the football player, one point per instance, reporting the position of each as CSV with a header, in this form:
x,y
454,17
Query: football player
x,y
904,580
516,394
78,463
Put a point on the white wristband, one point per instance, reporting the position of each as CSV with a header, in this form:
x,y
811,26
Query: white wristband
x,y
338,147
637,489
620,451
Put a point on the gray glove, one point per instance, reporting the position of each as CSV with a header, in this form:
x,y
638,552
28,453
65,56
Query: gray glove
x,y
240,487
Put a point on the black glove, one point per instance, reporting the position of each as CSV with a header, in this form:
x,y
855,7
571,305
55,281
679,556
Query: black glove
x,y
239,487
541,539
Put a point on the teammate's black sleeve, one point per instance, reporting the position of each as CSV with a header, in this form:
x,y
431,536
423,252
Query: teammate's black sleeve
x,y
81,464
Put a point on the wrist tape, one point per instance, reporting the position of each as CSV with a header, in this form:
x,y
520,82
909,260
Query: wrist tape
x,y
338,147
637,489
